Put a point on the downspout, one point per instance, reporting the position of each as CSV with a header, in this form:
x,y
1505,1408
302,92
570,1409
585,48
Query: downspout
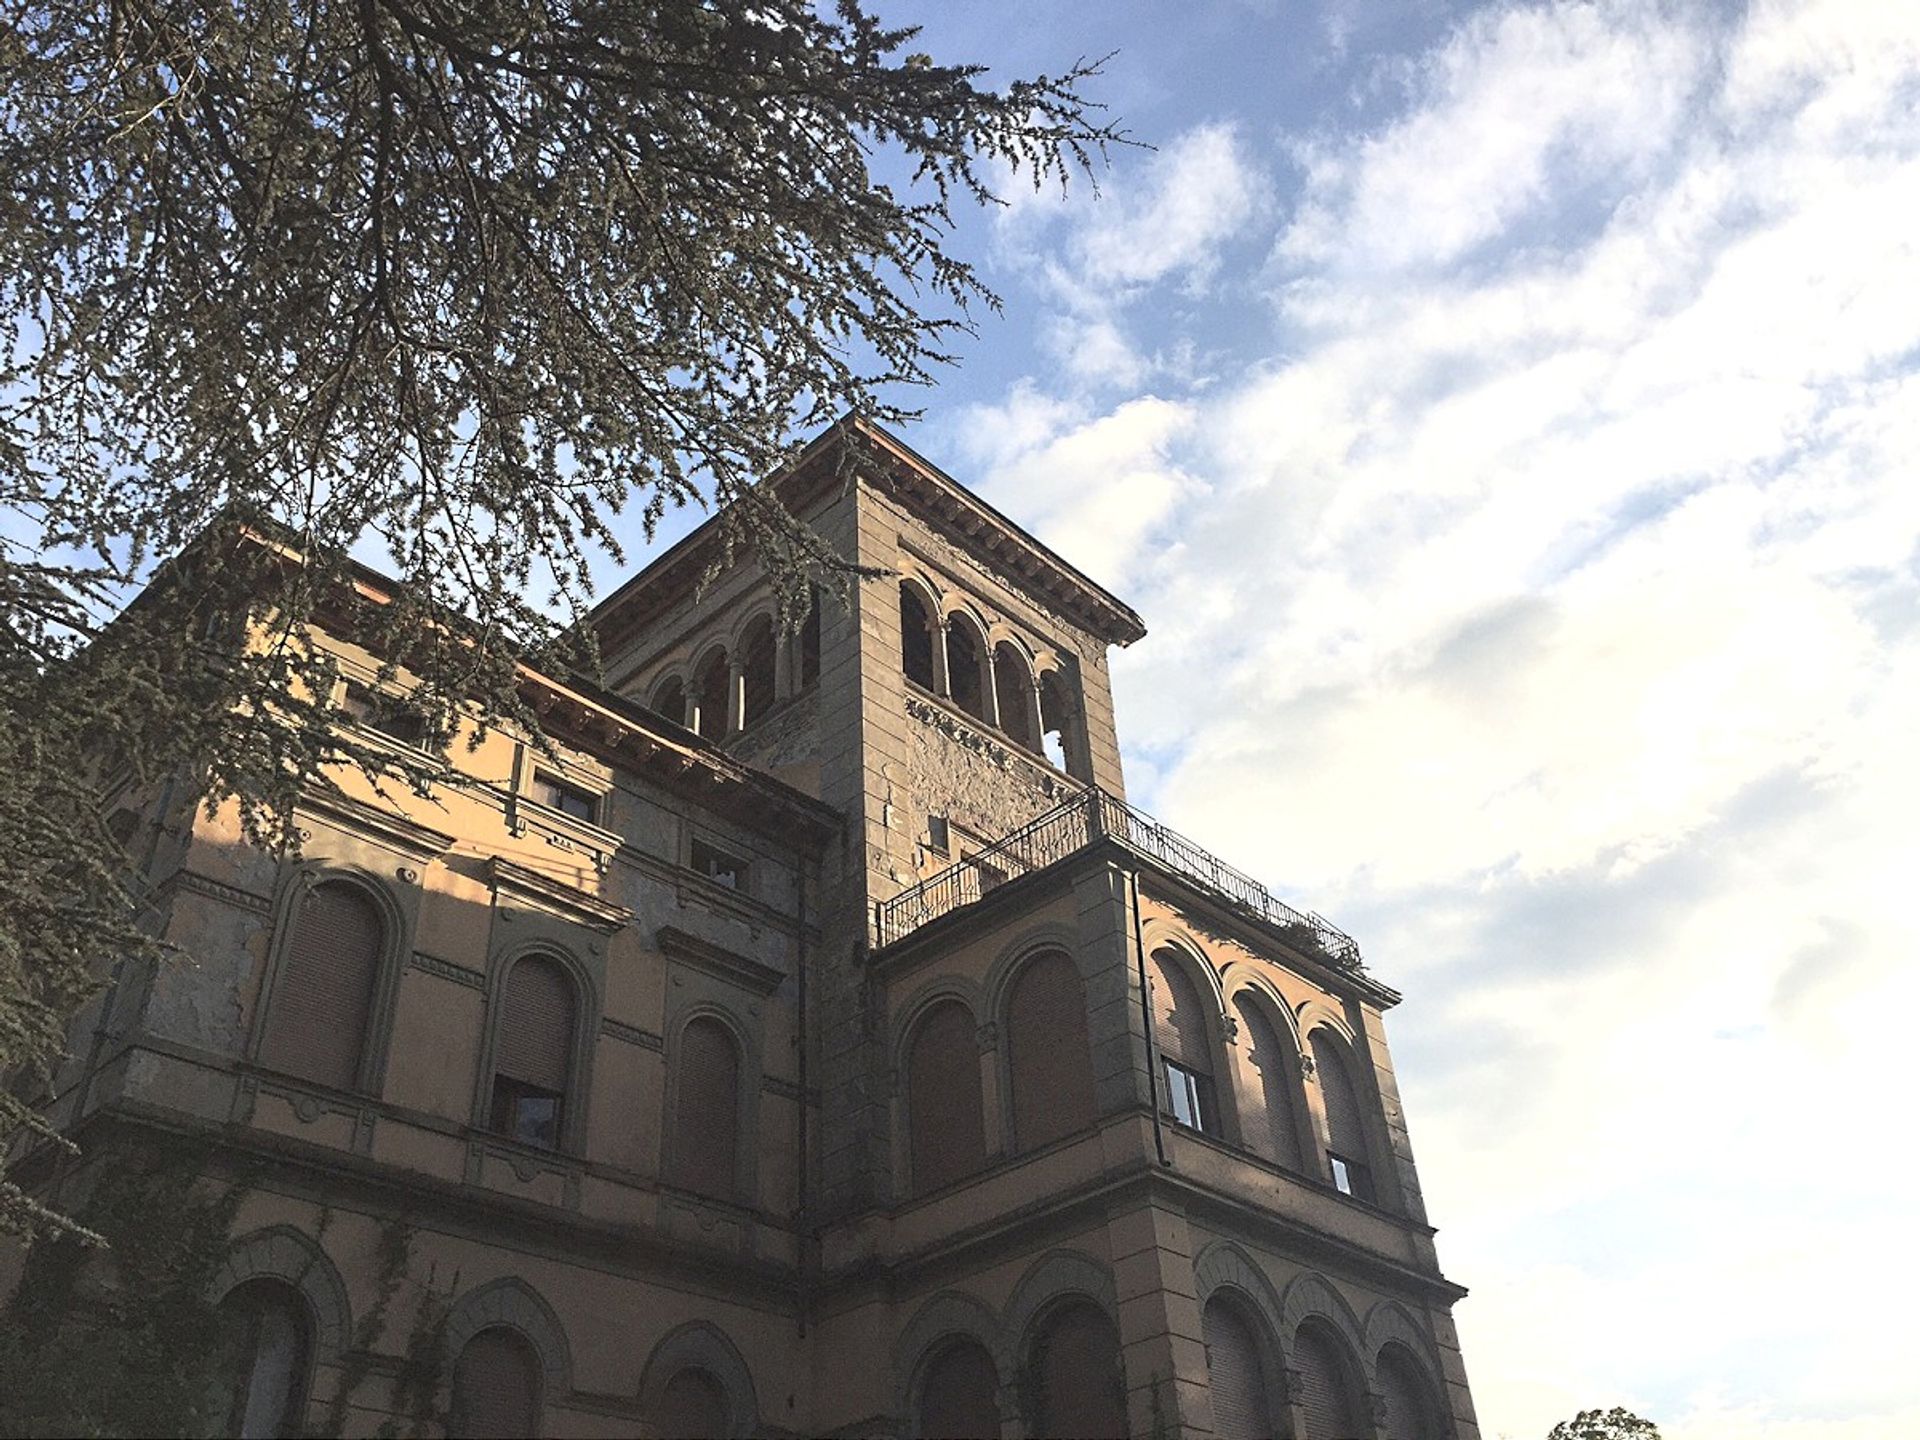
x,y
802,1164
1146,1019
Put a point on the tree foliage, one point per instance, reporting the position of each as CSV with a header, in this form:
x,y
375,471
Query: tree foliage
x,y
455,281
1614,1424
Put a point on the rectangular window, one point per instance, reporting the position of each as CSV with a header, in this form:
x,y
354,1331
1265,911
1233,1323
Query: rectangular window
x,y
567,799
525,1112
386,714
717,865
939,837
1350,1177
1190,1098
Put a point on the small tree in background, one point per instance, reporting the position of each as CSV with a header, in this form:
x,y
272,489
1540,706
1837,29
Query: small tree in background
x,y
1614,1424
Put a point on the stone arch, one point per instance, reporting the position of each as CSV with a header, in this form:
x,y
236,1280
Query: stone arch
x,y
746,1042
1162,934
755,647
513,1303
943,987
667,696
586,1025
1312,1015
396,946
969,686
998,986
1310,1297
280,1252
1225,1266
1242,977
1057,1276
920,653
702,1345
949,1315
710,692
1391,1323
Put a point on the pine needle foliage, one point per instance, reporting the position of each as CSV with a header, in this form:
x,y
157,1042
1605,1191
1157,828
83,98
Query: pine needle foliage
x,y
456,281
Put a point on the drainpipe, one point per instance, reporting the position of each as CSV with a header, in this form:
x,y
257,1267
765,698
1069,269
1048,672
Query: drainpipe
x,y
804,1197
1146,1017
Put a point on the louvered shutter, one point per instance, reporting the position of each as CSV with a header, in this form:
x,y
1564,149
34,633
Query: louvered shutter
x,y
1179,1026
1081,1392
536,1030
706,1135
959,1397
1409,1415
1346,1131
324,993
496,1388
1326,1397
946,1135
1052,1068
1234,1374
1276,1136
693,1407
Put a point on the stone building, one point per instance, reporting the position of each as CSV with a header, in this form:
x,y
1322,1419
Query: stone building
x,y
817,1043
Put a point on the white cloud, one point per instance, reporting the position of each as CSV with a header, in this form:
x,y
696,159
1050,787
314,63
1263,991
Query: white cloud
x,y
1550,612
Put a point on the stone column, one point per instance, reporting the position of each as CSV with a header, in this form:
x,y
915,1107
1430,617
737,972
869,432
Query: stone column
x,y
942,682
1161,1346
736,697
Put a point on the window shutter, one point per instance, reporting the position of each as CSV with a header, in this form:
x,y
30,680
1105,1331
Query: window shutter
x,y
693,1407
959,1397
324,994
1233,1374
1409,1414
1277,1139
706,1137
946,1135
496,1388
1346,1133
1051,1065
1326,1397
1081,1392
1179,1026
535,1044
264,1348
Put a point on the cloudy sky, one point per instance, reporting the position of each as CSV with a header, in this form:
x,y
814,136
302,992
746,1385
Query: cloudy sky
x,y
1505,419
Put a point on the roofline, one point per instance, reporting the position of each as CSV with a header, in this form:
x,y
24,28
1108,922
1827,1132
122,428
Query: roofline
x,y
1104,613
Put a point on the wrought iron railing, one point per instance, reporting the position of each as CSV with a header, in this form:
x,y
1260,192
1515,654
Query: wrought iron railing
x,y
1072,826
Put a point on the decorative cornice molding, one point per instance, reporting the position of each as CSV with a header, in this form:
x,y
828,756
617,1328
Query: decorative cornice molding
x,y
199,884
632,1034
447,970
529,888
717,960
409,837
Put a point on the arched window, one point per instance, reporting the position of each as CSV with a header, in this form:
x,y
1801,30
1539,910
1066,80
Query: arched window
x,y
693,1406
946,1137
959,1394
1328,1395
758,656
1236,1372
710,699
966,674
323,996
1186,1054
265,1351
670,700
1346,1128
706,1132
496,1388
916,638
1013,684
809,642
1410,1411
1079,1388
1060,725
533,1053
1048,1056
1274,1132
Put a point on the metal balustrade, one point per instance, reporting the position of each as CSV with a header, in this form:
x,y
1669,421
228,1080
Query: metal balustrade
x,y
1073,825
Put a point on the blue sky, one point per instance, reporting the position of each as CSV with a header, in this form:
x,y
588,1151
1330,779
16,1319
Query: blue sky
x,y
1505,419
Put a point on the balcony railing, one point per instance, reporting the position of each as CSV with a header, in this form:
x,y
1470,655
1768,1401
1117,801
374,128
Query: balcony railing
x,y
1072,826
